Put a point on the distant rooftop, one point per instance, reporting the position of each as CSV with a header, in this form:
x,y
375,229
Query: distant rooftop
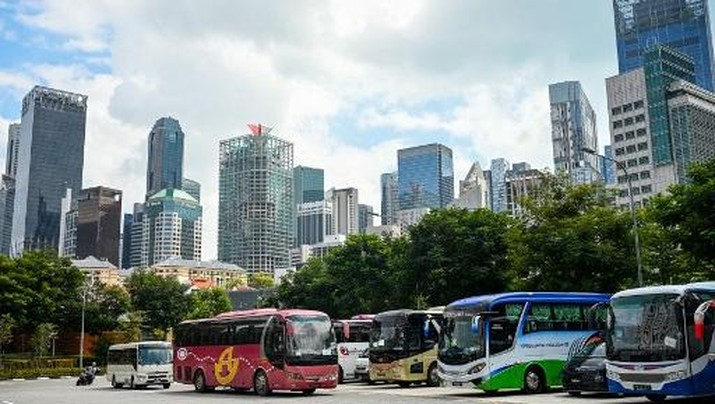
x,y
93,263
173,193
180,262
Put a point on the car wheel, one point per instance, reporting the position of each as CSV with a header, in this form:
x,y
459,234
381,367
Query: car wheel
x,y
260,384
166,385
115,384
534,380
432,376
656,398
200,381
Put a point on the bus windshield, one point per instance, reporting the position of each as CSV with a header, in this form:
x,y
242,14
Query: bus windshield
x,y
311,340
150,355
388,334
458,344
646,328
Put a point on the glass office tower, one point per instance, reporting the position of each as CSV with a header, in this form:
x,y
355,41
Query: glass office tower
x,y
165,164
680,24
425,176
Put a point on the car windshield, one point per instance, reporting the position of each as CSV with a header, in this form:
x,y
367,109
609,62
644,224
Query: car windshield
x,y
458,344
388,333
646,328
311,336
154,356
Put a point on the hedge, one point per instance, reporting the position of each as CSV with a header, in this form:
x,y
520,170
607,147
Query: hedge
x,y
37,372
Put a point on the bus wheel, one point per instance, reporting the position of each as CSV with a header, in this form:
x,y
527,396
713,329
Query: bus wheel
x,y
432,376
308,392
341,375
404,384
131,383
166,385
115,384
199,381
260,384
656,398
534,380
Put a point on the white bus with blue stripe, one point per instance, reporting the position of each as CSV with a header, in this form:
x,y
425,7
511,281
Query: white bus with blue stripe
x,y
659,341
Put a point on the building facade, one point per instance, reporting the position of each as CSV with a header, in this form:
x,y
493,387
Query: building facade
x,y
308,184
606,166
315,221
473,190
521,181
498,169
50,160
137,234
573,128
680,24
171,227
256,211
165,163
425,177
218,274
98,271
192,188
97,216
365,217
7,201
13,149
345,210
126,261
389,201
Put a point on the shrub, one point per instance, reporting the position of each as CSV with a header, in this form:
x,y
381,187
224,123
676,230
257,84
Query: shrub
x,y
37,372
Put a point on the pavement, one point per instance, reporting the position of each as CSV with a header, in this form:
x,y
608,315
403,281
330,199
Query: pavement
x,y
63,391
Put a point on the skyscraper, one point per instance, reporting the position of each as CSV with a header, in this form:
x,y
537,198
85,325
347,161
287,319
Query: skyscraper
x,y
425,176
192,188
127,241
137,235
345,210
95,226
573,127
607,166
50,160
256,211
315,221
365,217
165,163
474,190
680,24
498,168
389,201
13,149
308,184
7,201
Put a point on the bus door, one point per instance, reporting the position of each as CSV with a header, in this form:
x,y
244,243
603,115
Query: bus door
x,y
274,342
699,320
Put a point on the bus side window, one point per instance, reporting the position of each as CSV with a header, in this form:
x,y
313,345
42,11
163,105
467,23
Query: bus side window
x,y
539,318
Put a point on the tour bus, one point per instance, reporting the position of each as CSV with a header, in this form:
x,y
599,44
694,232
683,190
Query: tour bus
x,y
139,364
403,346
262,349
659,341
518,340
353,338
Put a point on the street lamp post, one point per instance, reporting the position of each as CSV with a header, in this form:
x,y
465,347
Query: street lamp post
x,y
631,205
88,283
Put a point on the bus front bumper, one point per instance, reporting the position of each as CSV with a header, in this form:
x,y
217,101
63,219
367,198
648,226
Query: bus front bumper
x,y
459,374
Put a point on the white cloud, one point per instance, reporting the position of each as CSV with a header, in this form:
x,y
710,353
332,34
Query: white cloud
x,y
299,65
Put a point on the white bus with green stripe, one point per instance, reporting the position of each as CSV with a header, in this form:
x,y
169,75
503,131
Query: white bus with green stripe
x,y
518,340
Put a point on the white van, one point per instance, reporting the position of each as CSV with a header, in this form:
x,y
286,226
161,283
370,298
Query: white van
x,y
353,338
140,364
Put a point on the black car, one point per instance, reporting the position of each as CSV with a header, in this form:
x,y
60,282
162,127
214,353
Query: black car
x,y
586,371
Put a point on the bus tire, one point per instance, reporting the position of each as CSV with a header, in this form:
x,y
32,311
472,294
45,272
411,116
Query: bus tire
x,y
404,384
131,383
534,380
166,385
432,376
656,398
308,392
200,381
341,375
115,384
260,383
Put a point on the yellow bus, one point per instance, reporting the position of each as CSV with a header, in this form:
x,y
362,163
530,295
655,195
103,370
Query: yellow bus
x,y
403,346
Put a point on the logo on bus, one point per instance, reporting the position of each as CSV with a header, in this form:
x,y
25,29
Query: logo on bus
x,y
182,353
226,367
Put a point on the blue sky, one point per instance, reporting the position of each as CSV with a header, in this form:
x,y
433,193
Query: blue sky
x,y
348,82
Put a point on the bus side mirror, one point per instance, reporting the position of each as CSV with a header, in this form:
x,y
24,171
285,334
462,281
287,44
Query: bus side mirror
x,y
699,319
346,330
475,324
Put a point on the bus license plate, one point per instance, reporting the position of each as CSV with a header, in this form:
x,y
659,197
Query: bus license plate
x,y
641,387
457,384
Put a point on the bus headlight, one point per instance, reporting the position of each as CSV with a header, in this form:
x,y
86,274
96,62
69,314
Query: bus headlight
x,y
295,376
611,375
478,368
677,375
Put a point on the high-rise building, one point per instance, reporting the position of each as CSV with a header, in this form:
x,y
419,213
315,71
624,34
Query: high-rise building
x,y
165,163
13,149
127,241
521,181
606,166
573,127
315,221
473,190
389,198
7,201
50,160
365,217
192,188
498,170
425,176
93,225
345,210
680,24
137,234
171,227
308,184
256,210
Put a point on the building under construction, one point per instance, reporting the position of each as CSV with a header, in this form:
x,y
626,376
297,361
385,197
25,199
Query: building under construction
x,y
256,212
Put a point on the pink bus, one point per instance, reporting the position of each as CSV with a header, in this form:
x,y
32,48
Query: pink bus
x,y
263,350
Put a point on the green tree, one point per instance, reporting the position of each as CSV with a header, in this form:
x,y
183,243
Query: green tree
x,y
130,326
687,213
42,339
105,304
209,302
571,238
162,300
261,280
7,326
309,287
235,283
